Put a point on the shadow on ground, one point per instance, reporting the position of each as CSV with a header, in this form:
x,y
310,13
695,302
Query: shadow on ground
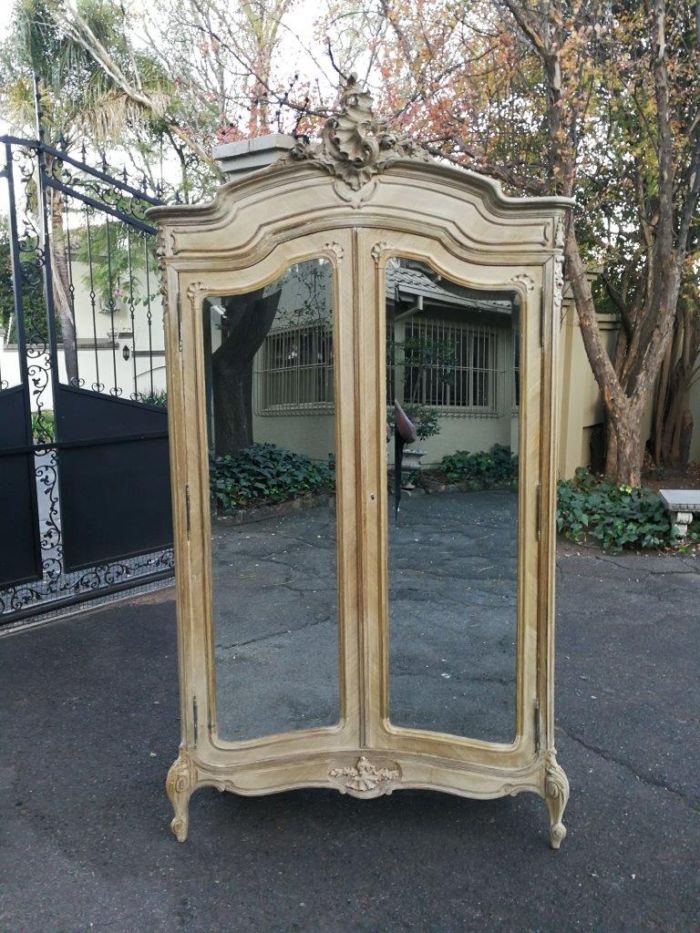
x,y
89,727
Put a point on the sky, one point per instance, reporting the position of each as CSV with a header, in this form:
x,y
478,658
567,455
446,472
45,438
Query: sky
x,y
300,22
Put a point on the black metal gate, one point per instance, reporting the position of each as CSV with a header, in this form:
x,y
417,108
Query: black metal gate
x,y
84,482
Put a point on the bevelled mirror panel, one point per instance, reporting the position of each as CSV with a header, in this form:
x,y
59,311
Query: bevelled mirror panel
x,y
452,377
269,357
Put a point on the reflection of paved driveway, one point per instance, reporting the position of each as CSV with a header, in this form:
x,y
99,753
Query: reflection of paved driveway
x,y
452,610
452,613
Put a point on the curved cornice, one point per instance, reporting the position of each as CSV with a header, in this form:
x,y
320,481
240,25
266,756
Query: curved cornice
x,y
281,173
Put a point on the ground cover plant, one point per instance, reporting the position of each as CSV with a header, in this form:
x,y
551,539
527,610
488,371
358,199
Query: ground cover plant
x,y
617,517
491,469
265,473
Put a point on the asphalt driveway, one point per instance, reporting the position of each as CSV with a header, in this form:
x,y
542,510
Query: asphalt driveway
x,y
89,727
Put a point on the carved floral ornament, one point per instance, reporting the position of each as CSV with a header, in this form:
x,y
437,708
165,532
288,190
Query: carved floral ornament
x,y
354,145
366,779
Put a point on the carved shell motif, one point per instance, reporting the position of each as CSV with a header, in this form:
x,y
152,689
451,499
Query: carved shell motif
x,y
354,145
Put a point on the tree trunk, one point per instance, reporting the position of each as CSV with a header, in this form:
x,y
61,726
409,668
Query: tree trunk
x,y
673,423
626,470
63,306
626,395
625,451
247,322
233,410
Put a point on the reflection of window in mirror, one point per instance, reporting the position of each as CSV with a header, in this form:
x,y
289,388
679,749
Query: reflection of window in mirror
x,y
453,367
269,365
295,369
448,346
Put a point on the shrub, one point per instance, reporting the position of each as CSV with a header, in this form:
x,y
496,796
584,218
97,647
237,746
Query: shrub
x,y
265,473
43,426
425,419
483,470
157,397
616,516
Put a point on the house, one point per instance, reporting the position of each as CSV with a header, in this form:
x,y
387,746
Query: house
x,y
449,349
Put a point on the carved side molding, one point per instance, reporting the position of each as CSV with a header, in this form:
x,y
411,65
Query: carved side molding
x,y
181,781
161,252
560,233
366,779
558,288
556,792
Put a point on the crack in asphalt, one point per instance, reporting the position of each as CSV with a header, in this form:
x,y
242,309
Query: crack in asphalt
x,y
694,571
269,635
564,565
688,800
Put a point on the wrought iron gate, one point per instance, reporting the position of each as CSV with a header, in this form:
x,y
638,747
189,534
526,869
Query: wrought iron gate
x,y
84,479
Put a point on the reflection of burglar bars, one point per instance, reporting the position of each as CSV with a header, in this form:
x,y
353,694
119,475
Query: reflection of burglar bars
x,y
452,365
297,369
449,365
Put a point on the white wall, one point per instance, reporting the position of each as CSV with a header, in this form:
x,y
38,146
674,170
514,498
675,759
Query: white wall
x,y
96,334
88,367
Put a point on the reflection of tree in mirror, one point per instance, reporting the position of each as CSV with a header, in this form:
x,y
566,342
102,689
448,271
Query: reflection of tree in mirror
x,y
423,356
300,298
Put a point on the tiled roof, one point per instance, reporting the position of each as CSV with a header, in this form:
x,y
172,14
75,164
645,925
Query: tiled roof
x,y
408,282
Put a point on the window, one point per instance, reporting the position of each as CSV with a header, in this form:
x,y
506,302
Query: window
x,y
450,365
297,369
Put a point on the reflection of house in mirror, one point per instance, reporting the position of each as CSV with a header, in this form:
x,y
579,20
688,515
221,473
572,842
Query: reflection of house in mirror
x,y
449,350
452,350
270,370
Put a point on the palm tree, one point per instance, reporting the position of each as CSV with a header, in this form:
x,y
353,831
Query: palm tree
x,y
78,100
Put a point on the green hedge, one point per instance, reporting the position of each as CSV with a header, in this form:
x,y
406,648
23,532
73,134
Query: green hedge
x,y
265,473
616,516
483,470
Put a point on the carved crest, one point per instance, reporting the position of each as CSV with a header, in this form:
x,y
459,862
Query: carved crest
x,y
354,145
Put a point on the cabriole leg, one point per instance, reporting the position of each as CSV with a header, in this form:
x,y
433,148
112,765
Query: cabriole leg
x,y
556,792
179,786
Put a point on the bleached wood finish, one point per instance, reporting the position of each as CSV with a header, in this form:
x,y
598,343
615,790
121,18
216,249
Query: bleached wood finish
x,y
389,201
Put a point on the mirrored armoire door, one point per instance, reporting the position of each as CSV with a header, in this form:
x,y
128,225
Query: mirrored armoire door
x,y
361,361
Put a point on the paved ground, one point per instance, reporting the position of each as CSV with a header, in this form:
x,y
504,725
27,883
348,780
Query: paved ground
x,y
452,581
89,727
